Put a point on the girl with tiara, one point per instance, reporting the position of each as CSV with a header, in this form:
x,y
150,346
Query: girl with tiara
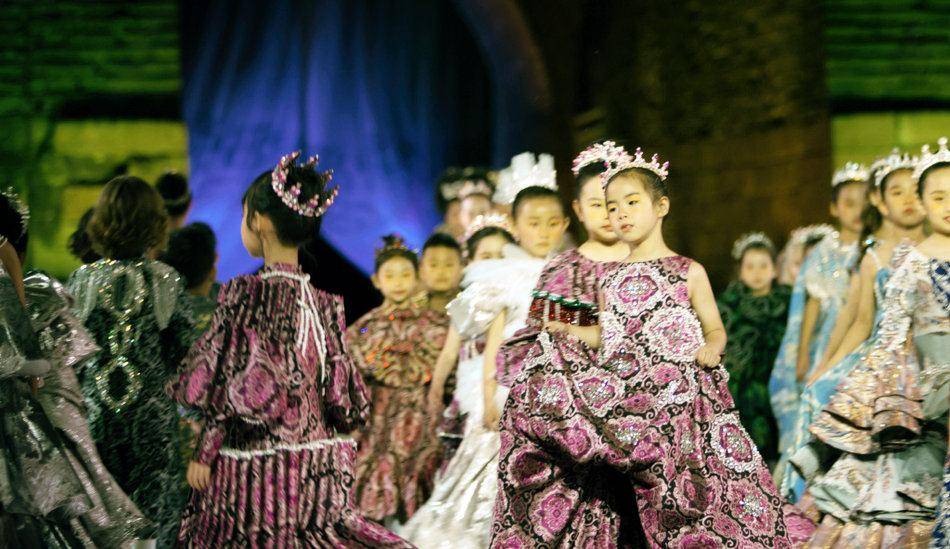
x,y
897,218
138,314
110,518
396,346
657,408
493,305
800,242
818,293
274,385
566,290
887,418
754,310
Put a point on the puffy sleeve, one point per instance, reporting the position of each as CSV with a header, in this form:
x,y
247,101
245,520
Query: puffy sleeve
x,y
179,332
17,339
474,309
345,394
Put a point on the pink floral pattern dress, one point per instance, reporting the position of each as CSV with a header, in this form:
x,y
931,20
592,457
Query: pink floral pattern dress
x,y
649,412
274,384
399,451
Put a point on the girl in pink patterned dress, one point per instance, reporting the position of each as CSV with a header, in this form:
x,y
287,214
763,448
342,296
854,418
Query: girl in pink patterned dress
x,y
657,408
274,385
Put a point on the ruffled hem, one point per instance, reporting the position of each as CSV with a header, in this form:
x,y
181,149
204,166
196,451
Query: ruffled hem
x,y
832,533
287,498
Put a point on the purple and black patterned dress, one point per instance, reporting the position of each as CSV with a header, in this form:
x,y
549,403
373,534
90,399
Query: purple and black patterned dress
x,y
648,412
274,383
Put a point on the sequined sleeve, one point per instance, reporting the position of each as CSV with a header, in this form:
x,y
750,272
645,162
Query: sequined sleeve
x,y
474,309
897,310
179,334
346,396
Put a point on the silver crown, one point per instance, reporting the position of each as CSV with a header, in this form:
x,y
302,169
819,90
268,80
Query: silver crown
x,y
605,153
802,235
499,220
525,171
750,239
20,207
850,172
626,162
883,167
929,159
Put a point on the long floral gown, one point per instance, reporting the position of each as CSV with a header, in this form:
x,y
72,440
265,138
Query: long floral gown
x,y
889,418
458,515
650,413
755,326
398,450
138,315
275,385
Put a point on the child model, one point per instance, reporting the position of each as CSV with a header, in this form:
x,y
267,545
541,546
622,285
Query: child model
x,y
191,252
274,385
818,293
495,304
754,311
600,503
136,310
395,346
658,408
440,270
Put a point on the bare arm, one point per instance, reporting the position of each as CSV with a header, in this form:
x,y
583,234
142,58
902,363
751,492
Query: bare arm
x,y
493,341
11,264
444,365
860,329
845,317
588,334
703,300
809,320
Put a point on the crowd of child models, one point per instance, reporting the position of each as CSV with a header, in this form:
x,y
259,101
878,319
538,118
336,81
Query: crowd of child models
x,y
506,394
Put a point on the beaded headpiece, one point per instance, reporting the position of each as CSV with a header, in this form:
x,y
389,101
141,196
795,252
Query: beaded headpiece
x,y
605,153
849,173
525,171
488,220
929,159
619,162
820,231
474,186
316,206
750,239
20,207
457,183
391,243
883,167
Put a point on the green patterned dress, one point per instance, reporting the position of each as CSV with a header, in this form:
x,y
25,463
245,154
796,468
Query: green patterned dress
x,y
755,326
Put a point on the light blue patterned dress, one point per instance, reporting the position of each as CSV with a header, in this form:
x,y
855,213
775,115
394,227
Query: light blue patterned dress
x,y
824,276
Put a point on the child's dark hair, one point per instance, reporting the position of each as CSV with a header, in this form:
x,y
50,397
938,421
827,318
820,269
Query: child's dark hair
x,y
79,244
471,245
12,226
530,193
651,182
394,246
441,240
292,228
760,246
923,176
191,252
129,219
173,187
585,175
836,190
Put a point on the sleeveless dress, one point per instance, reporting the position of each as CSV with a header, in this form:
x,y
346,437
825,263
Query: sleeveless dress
x,y
651,413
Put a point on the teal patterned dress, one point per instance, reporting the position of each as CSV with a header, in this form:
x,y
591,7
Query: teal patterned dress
x,y
138,313
754,325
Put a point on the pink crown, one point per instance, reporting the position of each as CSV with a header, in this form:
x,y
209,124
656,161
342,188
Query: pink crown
x,y
488,220
606,153
315,207
619,163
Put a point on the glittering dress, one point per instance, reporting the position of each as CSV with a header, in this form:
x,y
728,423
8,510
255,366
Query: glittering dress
x,y
755,326
601,503
398,450
459,512
804,456
824,276
113,520
275,385
650,413
889,419
137,313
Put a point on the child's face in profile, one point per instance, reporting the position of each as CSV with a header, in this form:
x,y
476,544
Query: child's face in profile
x,y
540,225
441,269
848,207
396,279
249,236
490,247
936,199
757,271
591,210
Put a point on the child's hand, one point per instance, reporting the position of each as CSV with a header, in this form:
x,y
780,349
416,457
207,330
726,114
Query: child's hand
x,y
708,357
555,327
199,475
435,402
491,418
